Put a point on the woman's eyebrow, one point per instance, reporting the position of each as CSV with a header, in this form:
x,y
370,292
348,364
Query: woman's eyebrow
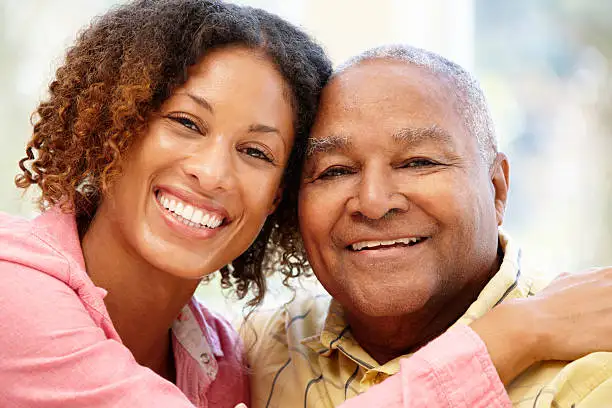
x,y
201,101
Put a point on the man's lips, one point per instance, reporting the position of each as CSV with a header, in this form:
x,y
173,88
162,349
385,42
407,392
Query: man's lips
x,y
377,244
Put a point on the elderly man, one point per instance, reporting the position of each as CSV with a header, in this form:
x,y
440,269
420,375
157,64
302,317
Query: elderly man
x,y
402,195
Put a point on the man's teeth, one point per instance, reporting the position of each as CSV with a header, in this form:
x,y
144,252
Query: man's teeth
x,y
372,244
190,215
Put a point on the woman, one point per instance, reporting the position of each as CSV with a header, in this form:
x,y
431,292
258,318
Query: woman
x,y
160,153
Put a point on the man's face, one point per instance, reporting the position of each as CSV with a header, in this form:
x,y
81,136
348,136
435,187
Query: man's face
x,y
397,209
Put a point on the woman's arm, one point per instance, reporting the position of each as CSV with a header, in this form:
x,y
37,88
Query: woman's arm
x,y
569,319
453,371
467,367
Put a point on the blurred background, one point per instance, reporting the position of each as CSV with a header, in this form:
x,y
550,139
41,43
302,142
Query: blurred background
x,y
545,66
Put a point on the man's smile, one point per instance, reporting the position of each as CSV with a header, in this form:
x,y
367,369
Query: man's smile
x,y
385,244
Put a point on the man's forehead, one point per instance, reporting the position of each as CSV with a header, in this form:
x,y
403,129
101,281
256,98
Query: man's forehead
x,y
404,137
386,98
379,87
383,71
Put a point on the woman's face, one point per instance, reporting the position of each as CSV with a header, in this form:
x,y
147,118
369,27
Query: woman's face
x,y
197,188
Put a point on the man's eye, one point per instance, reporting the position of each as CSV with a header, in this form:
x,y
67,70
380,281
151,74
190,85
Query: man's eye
x,y
334,172
258,154
419,163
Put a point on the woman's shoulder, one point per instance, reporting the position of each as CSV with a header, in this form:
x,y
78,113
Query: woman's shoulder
x,y
44,243
12,226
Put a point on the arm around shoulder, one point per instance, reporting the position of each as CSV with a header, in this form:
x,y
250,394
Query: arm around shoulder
x,y
453,371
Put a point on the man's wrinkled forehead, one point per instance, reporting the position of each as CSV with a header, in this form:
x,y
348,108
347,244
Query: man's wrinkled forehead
x,y
406,137
390,99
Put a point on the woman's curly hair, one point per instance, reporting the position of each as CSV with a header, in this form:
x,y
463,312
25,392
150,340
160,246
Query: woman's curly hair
x,y
120,71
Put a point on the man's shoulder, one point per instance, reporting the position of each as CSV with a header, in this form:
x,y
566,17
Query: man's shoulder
x,y
282,364
304,316
530,280
586,382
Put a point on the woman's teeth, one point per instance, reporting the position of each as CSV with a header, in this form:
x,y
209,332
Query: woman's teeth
x,y
189,215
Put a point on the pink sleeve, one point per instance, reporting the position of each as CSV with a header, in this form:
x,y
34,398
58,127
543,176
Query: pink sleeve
x,y
52,354
453,371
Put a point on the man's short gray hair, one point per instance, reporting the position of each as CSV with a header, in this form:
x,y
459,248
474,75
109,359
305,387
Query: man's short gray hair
x,y
472,105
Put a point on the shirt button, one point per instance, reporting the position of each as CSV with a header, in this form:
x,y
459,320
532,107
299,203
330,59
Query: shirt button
x,y
204,358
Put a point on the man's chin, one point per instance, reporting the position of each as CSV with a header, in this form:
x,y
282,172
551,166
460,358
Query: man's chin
x,y
387,304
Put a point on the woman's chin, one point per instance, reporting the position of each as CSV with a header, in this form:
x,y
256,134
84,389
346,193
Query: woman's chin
x,y
180,262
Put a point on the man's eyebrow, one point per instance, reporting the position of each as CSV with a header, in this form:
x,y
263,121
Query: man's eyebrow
x,y
201,101
416,136
327,144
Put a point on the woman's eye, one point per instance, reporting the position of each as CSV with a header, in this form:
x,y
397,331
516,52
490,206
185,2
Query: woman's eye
x,y
333,172
186,122
257,154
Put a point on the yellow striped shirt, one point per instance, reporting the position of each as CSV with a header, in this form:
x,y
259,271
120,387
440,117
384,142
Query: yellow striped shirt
x,y
304,354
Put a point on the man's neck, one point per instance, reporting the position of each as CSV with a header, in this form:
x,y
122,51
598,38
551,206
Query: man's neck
x,y
386,338
142,301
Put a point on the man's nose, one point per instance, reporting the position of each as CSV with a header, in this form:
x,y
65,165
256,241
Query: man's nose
x,y
212,165
377,194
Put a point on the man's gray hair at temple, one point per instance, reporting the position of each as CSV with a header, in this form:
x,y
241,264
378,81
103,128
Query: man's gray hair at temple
x,y
472,104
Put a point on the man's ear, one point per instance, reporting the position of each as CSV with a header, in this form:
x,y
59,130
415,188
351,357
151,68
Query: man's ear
x,y
277,200
500,179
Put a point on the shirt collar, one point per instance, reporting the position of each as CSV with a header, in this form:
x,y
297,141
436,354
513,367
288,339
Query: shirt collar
x,y
507,283
193,331
196,349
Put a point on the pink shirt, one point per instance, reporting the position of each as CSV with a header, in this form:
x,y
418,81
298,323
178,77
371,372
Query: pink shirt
x,y
58,346
453,371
